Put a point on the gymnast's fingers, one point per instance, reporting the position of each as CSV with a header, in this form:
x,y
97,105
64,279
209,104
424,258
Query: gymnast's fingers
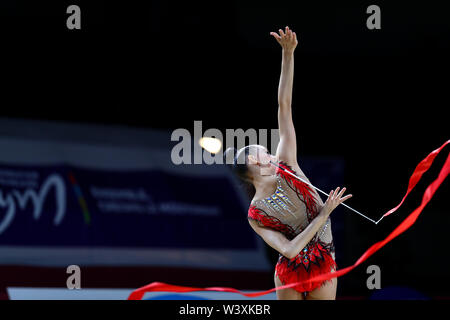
x,y
335,193
341,193
288,33
345,198
276,36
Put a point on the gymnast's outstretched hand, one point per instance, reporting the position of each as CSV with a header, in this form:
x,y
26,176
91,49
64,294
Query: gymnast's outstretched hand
x,y
287,39
334,199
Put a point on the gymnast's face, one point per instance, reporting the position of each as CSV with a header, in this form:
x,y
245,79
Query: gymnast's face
x,y
259,156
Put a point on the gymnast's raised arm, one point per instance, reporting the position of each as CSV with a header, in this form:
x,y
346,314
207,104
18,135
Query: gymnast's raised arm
x,y
287,147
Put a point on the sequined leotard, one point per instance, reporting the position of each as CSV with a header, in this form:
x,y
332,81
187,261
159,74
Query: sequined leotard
x,y
289,210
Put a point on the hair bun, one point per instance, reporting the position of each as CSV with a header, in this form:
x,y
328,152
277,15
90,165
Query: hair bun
x,y
229,156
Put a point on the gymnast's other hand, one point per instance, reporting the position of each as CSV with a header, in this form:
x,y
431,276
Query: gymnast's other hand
x,y
287,39
334,199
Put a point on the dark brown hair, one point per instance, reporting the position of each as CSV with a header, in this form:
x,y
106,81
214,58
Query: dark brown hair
x,y
237,162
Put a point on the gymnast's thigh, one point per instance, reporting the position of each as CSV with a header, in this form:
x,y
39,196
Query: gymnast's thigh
x,y
287,294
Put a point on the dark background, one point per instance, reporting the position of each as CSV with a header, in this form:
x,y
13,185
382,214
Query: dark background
x,y
376,98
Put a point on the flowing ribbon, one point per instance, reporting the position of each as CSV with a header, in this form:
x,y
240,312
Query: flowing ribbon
x,y
421,168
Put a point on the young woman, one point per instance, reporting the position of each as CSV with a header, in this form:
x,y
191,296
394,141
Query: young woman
x,y
287,213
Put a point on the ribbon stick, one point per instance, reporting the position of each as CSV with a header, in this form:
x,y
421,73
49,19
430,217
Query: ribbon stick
x,y
421,168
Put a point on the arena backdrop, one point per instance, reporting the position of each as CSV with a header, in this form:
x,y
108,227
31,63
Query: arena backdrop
x,y
97,201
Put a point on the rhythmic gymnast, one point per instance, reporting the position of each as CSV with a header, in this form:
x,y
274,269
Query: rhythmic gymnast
x,y
286,212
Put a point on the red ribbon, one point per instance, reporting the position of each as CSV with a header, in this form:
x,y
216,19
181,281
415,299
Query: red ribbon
x,y
421,168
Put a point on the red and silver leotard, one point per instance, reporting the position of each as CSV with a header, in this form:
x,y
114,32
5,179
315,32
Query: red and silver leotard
x,y
289,210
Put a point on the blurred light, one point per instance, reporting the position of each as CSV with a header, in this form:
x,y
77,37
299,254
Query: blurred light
x,y
212,145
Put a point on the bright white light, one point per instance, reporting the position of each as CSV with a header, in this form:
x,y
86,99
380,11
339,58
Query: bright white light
x,y
211,145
